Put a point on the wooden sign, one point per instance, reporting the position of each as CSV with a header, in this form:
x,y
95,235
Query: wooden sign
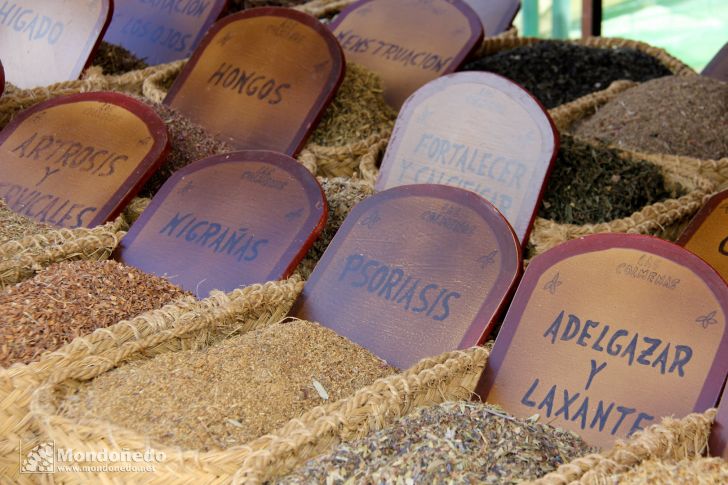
x,y
228,221
478,131
77,160
407,42
718,66
719,436
707,234
609,333
48,41
496,15
161,31
413,272
261,79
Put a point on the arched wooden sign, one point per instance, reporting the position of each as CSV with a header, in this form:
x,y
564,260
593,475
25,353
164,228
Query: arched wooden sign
x,y
719,436
478,131
413,272
48,41
228,221
609,333
77,160
496,15
407,42
718,66
707,234
162,31
261,79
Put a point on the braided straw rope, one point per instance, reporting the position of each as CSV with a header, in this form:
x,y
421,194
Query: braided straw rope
x,y
185,324
672,439
195,325
20,259
566,116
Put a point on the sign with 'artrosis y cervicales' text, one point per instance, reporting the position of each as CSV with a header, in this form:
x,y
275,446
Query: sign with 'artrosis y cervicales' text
x,y
608,334
77,160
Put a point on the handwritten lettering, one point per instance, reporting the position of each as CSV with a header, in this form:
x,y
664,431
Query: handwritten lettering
x,y
190,8
575,407
264,177
723,247
427,61
242,244
619,343
648,275
451,218
394,285
69,153
25,20
157,34
249,83
46,207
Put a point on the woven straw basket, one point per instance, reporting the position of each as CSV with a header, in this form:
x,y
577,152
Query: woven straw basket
x,y
567,115
188,325
493,45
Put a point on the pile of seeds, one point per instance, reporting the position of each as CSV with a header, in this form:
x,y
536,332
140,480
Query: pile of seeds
x,y
13,226
454,442
71,299
189,142
699,471
357,111
115,59
232,392
342,194
679,115
557,72
591,184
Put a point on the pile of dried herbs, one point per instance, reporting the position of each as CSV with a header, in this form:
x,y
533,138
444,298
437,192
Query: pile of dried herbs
x,y
231,392
342,194
71,299
189,142
454,442
115,59
678,115
357,111
591,184
13,226
557,72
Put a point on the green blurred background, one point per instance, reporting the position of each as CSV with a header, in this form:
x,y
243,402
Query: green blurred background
x,y
691,30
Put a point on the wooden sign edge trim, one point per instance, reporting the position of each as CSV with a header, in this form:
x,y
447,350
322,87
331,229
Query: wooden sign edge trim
x,y
714,62
700,217
324,98
598,242
451,194
287,164
154,159
432,87
2,79
476,30
103,25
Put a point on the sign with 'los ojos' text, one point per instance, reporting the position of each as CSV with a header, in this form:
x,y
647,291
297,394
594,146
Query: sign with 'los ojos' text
x,y
478,131
413,272
261,79
609,333
48,41
160,31
407,42
228,221
77,160
707,234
